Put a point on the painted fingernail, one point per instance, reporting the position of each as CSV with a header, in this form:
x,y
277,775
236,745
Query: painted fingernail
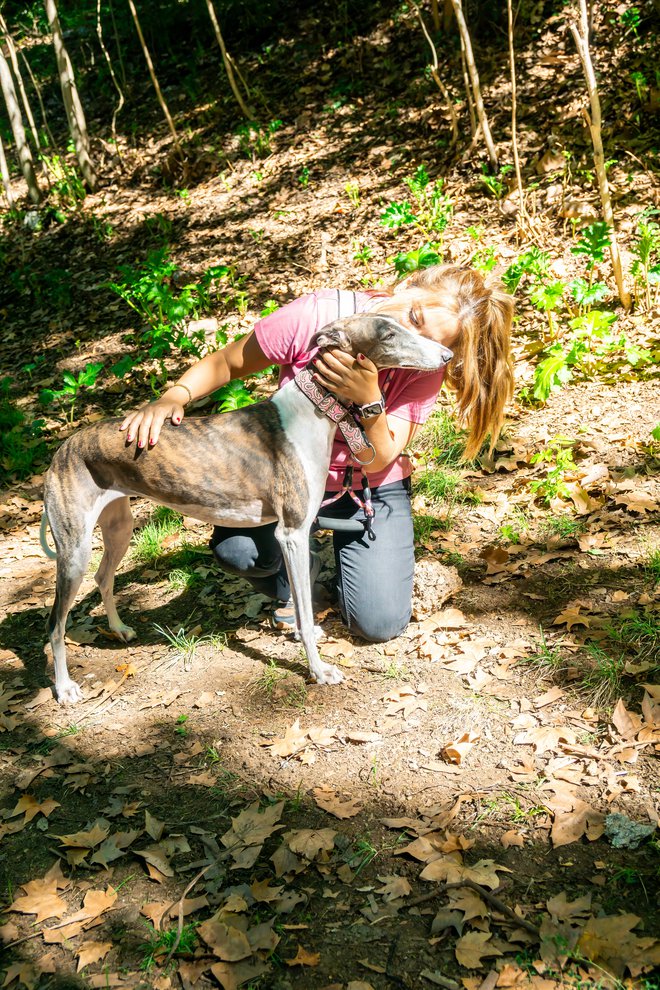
x,y
140,443
177,420
151,442
361,357
129,437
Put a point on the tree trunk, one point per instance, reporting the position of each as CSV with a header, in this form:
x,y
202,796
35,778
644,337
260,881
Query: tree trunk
x,y
466,45
154,80
581,37
247,112
6,180
11,48
16,121
72,105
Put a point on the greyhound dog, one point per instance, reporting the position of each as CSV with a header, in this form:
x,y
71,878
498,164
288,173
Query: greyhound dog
x,y
261,464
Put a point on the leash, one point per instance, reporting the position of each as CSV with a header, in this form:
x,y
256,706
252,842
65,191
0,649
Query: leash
x,y
365,503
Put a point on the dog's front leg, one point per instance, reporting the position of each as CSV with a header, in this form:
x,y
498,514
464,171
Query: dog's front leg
x,y
295,550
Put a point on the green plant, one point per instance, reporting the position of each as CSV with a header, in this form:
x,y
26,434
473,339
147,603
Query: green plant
x,y
395,671
233,395
558,455
150,291
432,209
270,306
444,485
254,139
73,386
485,259
66,184
425,256
517,528
533,263
594,239
303,178
352,190
181,729
22,447
652,565
495,184
646,266
160,943
638,632
363,253
547,298
423,527
631,19
641,86
604,676
562,527
546,655
185,644
586,295
441,440
591,342
147,543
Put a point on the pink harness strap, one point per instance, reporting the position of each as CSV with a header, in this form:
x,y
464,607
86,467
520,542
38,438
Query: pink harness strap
x,y
330,406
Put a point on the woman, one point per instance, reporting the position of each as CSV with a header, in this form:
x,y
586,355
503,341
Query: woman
x,y
457,307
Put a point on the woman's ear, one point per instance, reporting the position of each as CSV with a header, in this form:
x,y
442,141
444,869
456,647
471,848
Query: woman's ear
x,y
331,336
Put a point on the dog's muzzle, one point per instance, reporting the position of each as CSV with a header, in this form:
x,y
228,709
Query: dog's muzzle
x,y
445,354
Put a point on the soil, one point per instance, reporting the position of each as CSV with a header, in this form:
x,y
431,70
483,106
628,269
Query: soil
x,y
516,713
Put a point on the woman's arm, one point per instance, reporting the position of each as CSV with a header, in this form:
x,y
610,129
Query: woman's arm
x,y
237,360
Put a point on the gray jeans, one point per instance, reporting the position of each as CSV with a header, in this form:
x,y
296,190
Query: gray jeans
x,y
374,579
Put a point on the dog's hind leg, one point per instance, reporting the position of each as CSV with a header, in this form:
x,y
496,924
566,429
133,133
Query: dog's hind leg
x,y
116,524
73,558
295,550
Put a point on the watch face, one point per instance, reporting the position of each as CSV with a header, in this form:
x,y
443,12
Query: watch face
x,y
373,409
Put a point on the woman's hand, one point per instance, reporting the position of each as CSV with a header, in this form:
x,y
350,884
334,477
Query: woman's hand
x,y
146,422
352,379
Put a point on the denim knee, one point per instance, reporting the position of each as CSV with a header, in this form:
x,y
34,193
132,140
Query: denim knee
x,y
238,555
377,628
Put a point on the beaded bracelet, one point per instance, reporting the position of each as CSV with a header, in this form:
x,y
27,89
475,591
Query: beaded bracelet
x,y
181,385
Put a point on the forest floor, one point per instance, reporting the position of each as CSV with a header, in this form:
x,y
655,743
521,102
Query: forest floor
x,y
463,810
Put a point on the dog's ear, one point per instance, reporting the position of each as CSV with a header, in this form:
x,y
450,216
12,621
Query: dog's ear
x,y
331,336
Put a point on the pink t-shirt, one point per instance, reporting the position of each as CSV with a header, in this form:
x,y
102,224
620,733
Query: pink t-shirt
x,y
284,338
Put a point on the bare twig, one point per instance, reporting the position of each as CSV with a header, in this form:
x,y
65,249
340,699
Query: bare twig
x,y
434,67
514,134
466,45
483,892
106,53
580,32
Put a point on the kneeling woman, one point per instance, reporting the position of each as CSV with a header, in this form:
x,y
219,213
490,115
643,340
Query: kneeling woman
x,y
454,306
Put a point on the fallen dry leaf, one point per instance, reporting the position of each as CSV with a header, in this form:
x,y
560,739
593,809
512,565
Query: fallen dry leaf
x,y
455,752
92,952
304,958
331,801
473,947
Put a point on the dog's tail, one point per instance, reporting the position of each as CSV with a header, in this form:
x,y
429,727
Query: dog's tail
x,y
42,537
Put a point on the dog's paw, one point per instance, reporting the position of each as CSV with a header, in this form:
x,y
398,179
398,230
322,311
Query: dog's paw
x,y
68,693
124,632
326,673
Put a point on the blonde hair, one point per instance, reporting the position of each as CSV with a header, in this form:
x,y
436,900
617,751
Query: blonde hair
x,y
481,371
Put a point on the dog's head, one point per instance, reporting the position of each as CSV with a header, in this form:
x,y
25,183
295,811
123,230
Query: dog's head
x,y
383,341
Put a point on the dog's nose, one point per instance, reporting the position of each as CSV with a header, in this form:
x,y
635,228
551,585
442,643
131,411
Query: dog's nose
x,y
445,354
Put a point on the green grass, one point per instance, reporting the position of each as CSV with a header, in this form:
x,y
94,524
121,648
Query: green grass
x,y
562,527
185,644
148,542
546,656
517,526
159,944
424,526
441,439
638,634
652,566
603,678
268,681
444,485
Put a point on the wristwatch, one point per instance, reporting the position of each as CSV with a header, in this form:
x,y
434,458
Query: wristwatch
x,y
371,409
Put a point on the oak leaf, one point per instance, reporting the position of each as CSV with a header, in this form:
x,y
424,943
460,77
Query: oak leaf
x,y
304,958
310,842
472,947
332,802
92,952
